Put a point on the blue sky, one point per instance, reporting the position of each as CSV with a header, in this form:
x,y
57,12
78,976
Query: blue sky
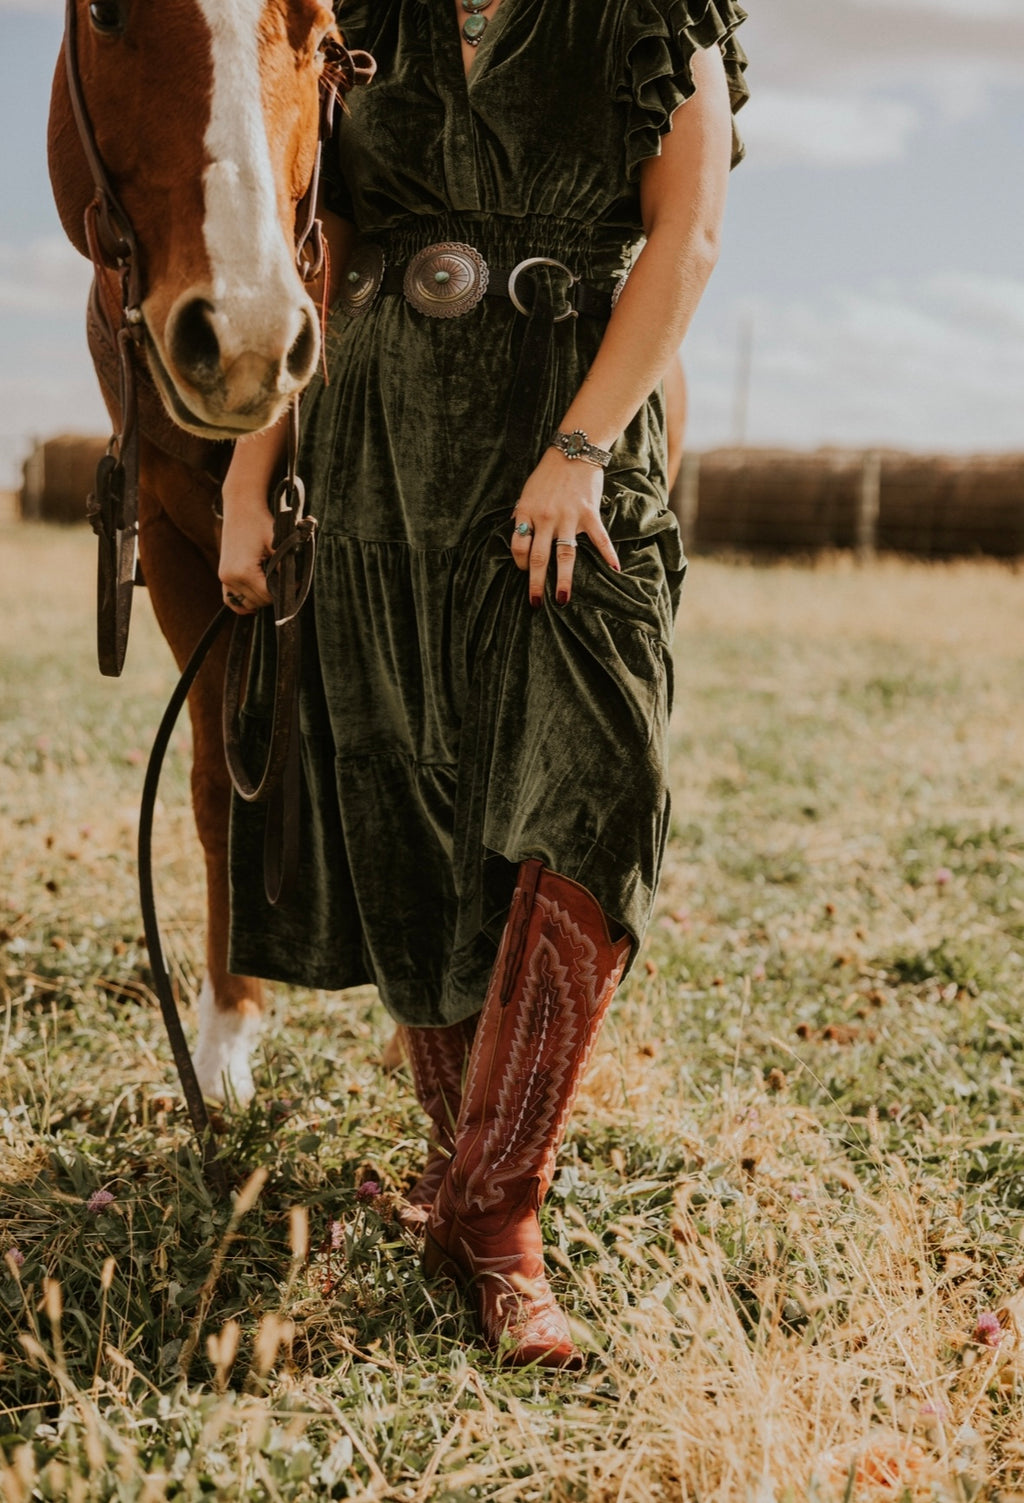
x,y
874,244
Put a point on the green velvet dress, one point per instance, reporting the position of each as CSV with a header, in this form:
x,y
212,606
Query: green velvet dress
x,y
450,731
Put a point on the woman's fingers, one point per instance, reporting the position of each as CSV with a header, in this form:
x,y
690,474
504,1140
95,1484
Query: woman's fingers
x,y
239,602
598,535
244,588
565,554
532,550
540,554
522,537
246,542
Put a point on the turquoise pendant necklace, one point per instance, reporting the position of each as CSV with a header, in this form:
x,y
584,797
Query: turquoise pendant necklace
x,y
475,24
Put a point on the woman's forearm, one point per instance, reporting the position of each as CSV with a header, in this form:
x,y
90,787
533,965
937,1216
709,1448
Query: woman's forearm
x,y
644,333
683,200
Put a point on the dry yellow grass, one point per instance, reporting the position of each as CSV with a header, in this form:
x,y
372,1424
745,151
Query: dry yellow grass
x,y
793,1184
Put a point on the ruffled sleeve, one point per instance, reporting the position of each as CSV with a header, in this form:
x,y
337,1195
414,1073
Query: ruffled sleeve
x,y
657,42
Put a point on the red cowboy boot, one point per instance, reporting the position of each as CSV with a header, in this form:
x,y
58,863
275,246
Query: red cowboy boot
x,y
437,1058
554,978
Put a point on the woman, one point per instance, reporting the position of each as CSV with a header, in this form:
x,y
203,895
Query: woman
x,y
486,659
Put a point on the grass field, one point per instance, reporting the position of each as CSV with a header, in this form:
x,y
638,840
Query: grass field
x,y
789,1224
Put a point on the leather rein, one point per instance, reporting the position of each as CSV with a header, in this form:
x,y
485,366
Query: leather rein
x,y
113,512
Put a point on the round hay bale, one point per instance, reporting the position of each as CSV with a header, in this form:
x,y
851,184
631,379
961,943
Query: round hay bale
x,y
777,501
58,476
946,507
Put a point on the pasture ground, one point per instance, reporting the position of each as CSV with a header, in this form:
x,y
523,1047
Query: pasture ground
x,y
789,1221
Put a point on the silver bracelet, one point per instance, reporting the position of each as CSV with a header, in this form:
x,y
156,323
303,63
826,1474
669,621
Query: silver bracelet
x,y
576,445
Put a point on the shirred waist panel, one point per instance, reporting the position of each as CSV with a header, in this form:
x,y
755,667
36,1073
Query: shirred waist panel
x,y
502,239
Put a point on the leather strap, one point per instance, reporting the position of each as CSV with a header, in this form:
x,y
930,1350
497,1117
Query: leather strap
x,y
279,783
208,455
585,298
524,426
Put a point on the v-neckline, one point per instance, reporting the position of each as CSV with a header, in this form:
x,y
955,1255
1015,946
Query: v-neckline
x,y
484,45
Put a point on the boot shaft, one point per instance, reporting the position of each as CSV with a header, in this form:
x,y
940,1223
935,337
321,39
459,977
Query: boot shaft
x,y
556,973
437,1061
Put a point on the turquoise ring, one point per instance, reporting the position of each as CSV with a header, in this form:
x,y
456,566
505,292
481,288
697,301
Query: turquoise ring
x,y
523,529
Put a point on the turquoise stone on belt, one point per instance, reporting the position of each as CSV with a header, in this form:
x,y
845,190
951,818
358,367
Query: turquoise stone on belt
x,y
473,28
474,5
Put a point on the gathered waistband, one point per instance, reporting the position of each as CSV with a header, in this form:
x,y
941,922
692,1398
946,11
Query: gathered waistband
x,y
592,252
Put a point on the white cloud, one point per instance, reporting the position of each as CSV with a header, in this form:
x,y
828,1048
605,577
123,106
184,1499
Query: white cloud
x,y
46,276
787,126
937,365
844,82
848,39
976,10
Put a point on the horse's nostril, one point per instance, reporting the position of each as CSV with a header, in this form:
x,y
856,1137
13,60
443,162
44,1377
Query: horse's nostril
x,y
303,351
193,344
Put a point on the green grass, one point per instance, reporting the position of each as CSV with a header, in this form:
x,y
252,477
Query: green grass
x,y
793,1182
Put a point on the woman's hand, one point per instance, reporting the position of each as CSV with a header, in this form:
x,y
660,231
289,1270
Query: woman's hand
x,y
247,540
247,535
560,501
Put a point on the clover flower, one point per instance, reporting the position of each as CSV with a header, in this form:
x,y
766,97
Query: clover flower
x,y
99,1200
368,1190
988,1331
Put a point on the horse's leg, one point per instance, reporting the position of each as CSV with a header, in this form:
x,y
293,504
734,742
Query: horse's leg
x,y
178,546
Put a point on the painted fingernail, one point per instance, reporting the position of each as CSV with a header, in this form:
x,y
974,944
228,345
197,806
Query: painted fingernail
x,y
562,597
535,601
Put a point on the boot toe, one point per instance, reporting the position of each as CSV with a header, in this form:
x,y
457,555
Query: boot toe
x,y
533,1330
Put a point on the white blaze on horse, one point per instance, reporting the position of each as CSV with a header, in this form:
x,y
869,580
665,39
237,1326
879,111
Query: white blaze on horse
x,y
205,116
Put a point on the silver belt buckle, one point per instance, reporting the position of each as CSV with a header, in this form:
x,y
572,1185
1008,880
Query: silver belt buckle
x,y
446,280
516,272
361,279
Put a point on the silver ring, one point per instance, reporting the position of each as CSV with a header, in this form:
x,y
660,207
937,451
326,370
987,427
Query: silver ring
x,y
236,600
523,529
566,543
570,311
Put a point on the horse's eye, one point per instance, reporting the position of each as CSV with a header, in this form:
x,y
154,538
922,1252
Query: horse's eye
x,y
107,17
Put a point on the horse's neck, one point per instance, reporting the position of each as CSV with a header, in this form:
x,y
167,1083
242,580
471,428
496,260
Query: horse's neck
x,y
70,178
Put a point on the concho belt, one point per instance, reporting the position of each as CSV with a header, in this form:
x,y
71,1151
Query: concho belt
x,y
448,279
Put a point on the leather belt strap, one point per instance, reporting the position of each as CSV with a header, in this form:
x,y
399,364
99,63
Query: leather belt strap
x,y
585,298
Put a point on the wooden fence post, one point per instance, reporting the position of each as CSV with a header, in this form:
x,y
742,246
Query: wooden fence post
x,y
868,505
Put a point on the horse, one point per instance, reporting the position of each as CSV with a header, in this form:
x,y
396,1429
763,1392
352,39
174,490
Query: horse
x,y
205,116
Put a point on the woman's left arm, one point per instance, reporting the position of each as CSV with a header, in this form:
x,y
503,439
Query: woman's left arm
x,y
682,195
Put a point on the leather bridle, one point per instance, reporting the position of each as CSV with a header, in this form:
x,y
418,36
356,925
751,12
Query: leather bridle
x,y
113,512
113,506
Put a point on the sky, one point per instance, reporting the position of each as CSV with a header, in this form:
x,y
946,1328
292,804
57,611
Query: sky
x,y
873,254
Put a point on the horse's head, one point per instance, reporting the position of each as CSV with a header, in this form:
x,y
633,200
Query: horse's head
x,y
205,114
